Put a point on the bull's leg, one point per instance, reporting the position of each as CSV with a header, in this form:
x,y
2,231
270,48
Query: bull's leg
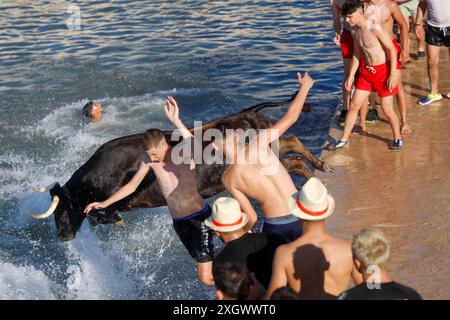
x,y
295,164
110,216
293,144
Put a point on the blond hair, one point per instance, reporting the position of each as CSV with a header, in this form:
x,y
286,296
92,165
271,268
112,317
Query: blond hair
x,y
371,248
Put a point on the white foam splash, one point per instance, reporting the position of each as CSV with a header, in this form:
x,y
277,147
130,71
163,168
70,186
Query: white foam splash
x,y
24,283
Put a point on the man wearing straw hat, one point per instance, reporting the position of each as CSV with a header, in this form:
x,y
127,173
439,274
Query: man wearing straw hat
x,y
316,265
253,250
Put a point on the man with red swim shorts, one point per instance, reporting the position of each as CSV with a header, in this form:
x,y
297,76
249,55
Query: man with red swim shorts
x,y
345,41
373,48
384,13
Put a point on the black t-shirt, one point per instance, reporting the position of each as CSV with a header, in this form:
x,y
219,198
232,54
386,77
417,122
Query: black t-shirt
x,y
254,250
388,291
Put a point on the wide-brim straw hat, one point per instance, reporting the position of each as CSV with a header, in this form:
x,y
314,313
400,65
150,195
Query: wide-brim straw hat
x,y
226,215
312,202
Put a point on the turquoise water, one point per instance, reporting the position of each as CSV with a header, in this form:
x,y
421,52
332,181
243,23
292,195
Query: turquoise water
x,y
215,57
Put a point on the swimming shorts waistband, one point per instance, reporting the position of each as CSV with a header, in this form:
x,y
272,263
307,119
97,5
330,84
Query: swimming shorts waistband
x,y
282,220
198,213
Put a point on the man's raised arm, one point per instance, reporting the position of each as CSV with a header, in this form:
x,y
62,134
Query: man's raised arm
x,y
294,110
126,190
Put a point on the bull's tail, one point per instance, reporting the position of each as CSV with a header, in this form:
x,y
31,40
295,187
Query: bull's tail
x,y
265,105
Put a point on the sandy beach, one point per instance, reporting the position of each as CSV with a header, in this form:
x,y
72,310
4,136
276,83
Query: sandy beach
x,y
405,194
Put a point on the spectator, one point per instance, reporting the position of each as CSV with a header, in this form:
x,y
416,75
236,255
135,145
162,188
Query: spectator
x,y
233,281
316,265
371,253
253,250
437,35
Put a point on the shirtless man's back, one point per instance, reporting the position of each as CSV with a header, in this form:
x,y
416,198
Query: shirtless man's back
x,y
256,172
316,265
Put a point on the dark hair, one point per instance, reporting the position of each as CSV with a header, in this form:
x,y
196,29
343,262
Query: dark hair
x,y
151,138
351,6
87,109
284,293
232,279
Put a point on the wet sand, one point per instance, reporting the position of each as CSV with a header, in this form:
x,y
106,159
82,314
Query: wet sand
x,y
405,194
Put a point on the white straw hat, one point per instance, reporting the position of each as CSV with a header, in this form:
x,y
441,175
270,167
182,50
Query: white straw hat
x,y
312,202
226,215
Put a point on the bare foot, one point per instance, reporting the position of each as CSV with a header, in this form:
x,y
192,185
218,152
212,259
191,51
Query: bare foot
x,y
406,129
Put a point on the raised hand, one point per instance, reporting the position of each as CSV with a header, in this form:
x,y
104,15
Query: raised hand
x,y
306,81
172,110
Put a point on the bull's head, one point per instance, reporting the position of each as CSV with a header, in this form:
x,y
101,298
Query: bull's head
x,y
68,218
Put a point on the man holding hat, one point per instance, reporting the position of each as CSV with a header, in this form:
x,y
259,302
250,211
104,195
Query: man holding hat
x,y
253,250
316,265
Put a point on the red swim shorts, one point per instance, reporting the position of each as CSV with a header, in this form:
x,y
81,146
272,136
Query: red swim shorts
x,y
346,44
374,79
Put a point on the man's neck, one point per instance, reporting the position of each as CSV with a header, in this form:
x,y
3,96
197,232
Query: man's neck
x,y
314,227
233,236
384,276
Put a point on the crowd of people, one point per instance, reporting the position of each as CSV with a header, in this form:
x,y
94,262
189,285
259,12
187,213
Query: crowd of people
x,y
294,256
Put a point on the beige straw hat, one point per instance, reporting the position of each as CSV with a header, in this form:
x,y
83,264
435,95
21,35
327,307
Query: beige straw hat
x,y
226,215
312,202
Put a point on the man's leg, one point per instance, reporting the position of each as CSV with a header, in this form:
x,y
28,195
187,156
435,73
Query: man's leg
x,y
433,70
401,103
346,95
387,104
363,114
359,97
204,271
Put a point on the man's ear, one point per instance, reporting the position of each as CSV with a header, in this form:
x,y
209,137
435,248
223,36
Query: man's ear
x,y
358,265
219,295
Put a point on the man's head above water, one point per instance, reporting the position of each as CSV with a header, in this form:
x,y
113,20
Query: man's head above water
x,y
93,111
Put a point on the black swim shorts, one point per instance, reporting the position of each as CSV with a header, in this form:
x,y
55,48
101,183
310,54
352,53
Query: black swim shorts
x,y
195,236
437,36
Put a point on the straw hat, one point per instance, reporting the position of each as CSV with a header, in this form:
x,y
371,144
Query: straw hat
x,y
226,215
312,202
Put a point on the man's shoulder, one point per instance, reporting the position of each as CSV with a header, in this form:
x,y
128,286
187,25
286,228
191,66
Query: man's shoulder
x,y
407,292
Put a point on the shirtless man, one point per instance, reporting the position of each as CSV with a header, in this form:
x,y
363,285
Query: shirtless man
x,y
384,12
316,265
375,44
178,185
345,41
264,178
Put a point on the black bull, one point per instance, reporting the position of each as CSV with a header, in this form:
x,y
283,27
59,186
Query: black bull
x,y
116,161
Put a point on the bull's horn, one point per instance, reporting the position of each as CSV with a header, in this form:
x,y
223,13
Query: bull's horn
x,y
47,213
44,189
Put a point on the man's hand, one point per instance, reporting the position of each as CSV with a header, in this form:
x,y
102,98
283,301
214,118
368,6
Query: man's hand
x,y
94,205
337,39
305,82
392,81
172,110
349,83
